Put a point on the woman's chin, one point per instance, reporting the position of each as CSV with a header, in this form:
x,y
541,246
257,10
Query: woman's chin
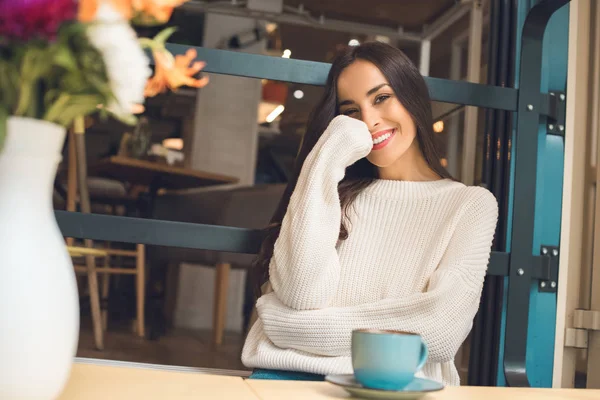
x,y
380,161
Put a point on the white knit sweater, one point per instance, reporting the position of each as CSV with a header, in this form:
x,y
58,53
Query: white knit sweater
x,y
415,260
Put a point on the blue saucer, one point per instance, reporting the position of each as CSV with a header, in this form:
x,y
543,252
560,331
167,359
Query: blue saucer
x,y
417,388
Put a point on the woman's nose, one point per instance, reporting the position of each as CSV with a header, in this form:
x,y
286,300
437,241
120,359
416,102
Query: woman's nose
x,y
371,118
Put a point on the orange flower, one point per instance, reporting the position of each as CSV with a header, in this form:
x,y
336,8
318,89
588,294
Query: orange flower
x,y
174,72
88,9
155,11
145,11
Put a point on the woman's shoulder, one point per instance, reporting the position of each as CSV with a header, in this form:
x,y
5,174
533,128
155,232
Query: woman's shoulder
x,y
478,194
466,195
476,200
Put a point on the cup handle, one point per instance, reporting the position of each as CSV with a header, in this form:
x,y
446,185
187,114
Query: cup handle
x,y
424,354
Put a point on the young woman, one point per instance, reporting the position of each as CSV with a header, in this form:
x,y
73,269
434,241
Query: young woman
x,y
372,231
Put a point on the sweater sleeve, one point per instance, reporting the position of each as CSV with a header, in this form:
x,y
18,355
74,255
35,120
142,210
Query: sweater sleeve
x,y
304,268
442,315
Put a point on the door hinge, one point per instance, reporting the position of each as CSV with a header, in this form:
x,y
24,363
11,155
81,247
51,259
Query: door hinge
x,y
586,319
555,107
577,338
547,272
583,322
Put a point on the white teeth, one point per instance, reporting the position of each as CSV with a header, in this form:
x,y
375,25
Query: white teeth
x,y
381,138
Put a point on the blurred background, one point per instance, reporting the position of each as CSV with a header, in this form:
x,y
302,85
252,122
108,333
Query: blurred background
x,y
223,153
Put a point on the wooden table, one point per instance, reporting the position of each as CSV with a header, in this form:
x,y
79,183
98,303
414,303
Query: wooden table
x,y
101,380
276,390
124,381
156,175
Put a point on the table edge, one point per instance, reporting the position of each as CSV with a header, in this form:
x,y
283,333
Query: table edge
x,y
128,161
161,367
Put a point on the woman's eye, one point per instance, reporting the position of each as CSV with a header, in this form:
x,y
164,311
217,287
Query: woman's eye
x,y
381,98
350,112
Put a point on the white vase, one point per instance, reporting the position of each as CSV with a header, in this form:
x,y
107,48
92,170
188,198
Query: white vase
x,y
39,306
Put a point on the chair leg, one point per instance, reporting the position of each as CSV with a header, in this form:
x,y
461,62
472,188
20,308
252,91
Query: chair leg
x,y
94,299
84,197
105,291
171,290
220,304
141,288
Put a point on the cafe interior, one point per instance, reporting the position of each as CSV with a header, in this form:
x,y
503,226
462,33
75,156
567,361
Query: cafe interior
x,y
217,155
222,153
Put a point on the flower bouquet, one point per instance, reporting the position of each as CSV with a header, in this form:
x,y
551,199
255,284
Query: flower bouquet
x,y
64,59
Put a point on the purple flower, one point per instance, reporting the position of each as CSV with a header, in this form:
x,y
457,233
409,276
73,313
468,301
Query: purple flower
x,y
29,19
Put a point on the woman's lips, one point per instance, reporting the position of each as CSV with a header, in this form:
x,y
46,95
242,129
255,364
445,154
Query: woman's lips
x,y
382,138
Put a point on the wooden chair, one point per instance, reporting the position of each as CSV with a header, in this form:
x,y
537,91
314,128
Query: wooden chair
x,y
245,207
77,192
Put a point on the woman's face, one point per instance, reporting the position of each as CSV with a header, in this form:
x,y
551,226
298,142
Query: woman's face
x,y
364,93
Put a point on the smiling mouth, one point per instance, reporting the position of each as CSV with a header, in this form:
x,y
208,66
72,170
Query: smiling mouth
x,y
382,140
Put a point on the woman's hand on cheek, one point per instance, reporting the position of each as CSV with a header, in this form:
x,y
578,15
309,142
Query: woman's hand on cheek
x,y
352,136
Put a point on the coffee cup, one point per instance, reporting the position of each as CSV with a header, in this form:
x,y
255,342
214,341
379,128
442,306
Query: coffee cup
x,y
387,360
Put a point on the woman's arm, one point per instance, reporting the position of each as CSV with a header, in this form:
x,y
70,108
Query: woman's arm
x,y
304,269
442,315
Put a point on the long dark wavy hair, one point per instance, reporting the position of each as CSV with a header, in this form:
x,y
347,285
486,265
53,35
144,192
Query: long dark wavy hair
x,y
410,89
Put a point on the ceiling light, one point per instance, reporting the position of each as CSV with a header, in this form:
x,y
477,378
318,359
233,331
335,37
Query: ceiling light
x,y
275,113
298,94
287,53
173,143
438,127
271,27
353,42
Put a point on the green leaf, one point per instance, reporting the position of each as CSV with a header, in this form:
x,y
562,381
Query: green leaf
x,y
146,43
9,81
25,99
74,82
35,64
3,126
64,58
33,67
54,111
50,97
162,36
102,87
69,107
69,115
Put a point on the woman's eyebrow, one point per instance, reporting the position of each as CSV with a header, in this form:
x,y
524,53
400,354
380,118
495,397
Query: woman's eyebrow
x,y
370,92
